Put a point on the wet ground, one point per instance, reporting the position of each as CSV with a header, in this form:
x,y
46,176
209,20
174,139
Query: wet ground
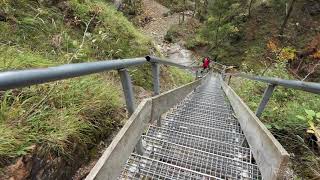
x,y
157,29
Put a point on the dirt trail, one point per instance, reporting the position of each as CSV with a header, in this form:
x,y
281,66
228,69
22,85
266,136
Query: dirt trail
x,y
157,29
159,24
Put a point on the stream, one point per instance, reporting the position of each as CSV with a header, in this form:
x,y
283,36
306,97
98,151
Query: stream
x,y
159,27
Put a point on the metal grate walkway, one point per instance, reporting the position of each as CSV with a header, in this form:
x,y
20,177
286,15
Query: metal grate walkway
x,y
199,139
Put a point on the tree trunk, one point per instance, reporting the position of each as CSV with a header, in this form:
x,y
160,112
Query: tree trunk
x,y
184,10
195,8
206,4
183,16
283,26
217,30
250,6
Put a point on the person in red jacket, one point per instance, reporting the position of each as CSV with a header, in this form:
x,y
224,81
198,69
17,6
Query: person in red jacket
x,y
205,64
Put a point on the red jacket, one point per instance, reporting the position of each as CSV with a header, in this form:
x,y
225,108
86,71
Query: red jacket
x,y
206,63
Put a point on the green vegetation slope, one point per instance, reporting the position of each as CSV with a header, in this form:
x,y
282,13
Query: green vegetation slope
x,y
56,127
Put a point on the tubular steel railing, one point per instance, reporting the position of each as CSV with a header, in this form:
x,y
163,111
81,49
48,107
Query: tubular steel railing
x,y
273,82
24,78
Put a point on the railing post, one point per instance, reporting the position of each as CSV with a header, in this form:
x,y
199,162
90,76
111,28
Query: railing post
x,y
229,80
266,96
198,74
156,78
139,147
223,72
159,122
127,90
129,97
156,83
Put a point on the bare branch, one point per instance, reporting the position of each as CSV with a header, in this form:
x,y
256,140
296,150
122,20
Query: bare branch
x,y
83,40
312,71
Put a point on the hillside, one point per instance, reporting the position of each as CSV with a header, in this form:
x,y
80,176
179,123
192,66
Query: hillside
x,y
49,131
254,41
249,36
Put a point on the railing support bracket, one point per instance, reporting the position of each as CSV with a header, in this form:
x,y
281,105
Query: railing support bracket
x,y
266,96
127,90
156,78
129,97
139,147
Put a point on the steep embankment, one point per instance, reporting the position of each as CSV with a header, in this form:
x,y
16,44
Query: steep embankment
x,y
49,131
161,20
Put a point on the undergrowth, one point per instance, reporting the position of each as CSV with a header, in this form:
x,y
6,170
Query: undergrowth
x,y
280,117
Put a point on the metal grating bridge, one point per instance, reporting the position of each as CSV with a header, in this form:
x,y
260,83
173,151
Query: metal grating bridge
x,y
200,138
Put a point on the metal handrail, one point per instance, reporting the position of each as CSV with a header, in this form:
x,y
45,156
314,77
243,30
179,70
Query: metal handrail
x,y
153,59
273,82
293,84
23,78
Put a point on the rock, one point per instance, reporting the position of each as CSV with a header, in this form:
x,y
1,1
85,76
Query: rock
x,y
20,170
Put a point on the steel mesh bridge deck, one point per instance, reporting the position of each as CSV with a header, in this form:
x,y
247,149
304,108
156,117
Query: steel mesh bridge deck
x,y
199,139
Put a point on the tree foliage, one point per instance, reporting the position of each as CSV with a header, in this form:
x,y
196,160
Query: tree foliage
x,y
219,27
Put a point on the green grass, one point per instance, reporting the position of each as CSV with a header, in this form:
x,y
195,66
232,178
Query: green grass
x,y
76,111
180,77
57,117
14,58
79,109
170,77
39,28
